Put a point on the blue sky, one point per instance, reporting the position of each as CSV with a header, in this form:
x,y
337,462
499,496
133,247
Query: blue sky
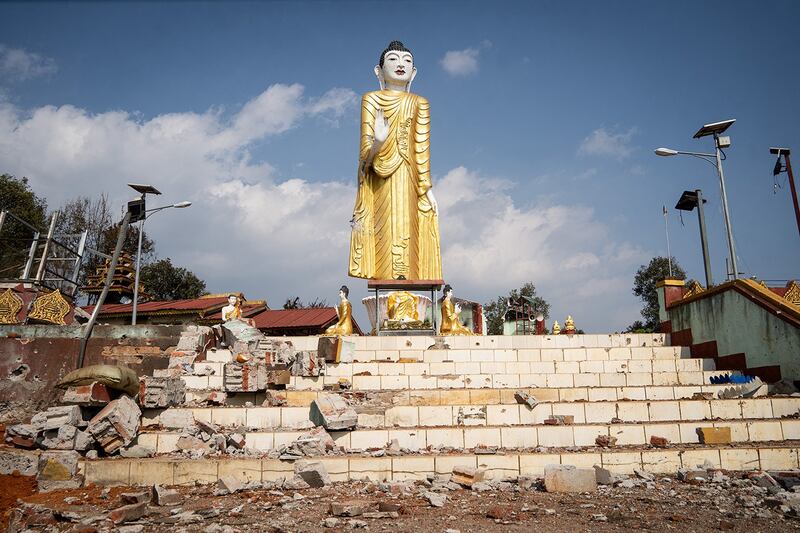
x,y
545,116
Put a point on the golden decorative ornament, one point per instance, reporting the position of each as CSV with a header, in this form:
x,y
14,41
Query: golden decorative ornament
x,y
792,294
556,328
694,288
569,324
51,307
10,304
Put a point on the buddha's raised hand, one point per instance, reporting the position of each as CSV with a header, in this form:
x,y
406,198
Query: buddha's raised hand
x,y
381,127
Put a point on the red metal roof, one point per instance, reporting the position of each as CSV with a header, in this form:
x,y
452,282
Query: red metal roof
x,y
195,304
317,317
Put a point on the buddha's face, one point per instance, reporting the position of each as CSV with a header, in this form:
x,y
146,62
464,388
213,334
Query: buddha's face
x,y
232,300
398,68
342,295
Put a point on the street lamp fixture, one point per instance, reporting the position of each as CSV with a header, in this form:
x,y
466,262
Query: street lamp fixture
x,y
144,215
714,129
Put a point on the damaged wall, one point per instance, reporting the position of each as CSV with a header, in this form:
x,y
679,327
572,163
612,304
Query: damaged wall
x,y
33,358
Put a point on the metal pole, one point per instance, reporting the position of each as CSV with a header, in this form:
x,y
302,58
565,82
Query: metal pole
x,y
136,279
2,219
26,272
76,272
731,247
701,216
43,260
123,231
791,186
666,228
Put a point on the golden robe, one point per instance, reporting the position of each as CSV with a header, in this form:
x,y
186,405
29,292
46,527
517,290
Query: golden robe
x,y
451,324
344,326
395,229
402,305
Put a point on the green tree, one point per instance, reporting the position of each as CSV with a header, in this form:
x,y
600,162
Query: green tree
x,y
495,310
164,281
17,197
644,286
296,303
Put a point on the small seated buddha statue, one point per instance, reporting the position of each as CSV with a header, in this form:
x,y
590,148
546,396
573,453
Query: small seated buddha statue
x,y
343,326
233,310
569,325
451,323
556,328
402,306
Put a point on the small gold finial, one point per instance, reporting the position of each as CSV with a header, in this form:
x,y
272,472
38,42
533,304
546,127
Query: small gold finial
x,y
556,328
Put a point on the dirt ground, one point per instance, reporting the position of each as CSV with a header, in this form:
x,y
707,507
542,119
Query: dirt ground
x,y
666,504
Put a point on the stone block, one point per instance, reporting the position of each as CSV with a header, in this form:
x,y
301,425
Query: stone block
x,y
22,435
58,470
229,484
128,513
718,435
333,413
56,417
116,424
176,418
526,399
468,475
94,394
350,507
312,472
567,478
161,392
245,377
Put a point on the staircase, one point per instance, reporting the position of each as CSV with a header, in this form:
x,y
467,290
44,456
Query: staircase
x,y
457,406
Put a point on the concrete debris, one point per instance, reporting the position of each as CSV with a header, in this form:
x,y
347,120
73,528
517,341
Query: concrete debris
x,y
58,470
307,364
312,472
659,442
567,478
94,394
468,475
246,377
22,435
603,476
161,392
336,350
330,523
135,497
295,483
128,513
272,399
56,417
194,339
188,443
25,463
116,424
237,440
605,441
526,399
165,497
333,413
137,451
350,507
435,499
560,420
228,485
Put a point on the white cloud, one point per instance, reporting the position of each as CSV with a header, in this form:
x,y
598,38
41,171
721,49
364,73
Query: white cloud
x,y
17,64
605,143
461,62
274,236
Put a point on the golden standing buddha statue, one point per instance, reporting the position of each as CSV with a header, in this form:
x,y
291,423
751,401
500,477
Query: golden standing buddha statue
x,y
395,221
343,326
451,323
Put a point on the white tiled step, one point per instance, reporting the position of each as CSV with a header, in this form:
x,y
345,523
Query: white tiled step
x,y
528,436
181,471
488,355
480,396
502,381
499,414
405,343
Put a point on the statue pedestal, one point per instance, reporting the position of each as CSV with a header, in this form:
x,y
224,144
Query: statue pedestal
x,y
376,305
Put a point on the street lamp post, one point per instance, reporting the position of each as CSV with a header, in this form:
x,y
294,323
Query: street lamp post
x,y
148,213
715,159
